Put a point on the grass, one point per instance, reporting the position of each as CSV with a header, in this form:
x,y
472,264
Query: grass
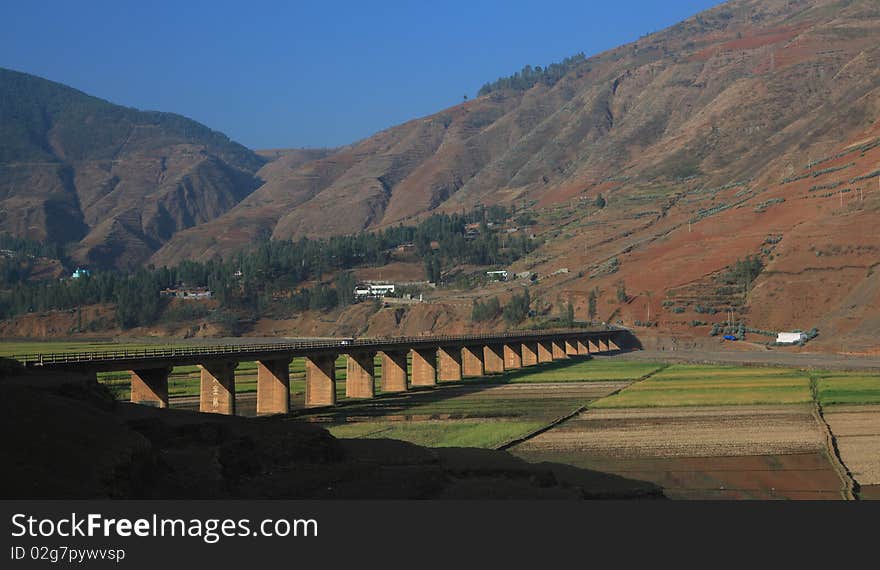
x,y
698,385
12,348
461,433
185,380
470,416
847,388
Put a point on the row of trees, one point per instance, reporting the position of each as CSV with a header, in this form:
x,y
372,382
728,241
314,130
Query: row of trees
x,y
514,312
273,271
531,76
744,272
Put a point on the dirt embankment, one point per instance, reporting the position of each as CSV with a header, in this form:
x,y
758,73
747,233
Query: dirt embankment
x,y
75,441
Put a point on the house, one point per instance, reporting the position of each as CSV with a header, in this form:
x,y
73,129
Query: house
x,y
373,290
189,293
500,275
80,273
790,337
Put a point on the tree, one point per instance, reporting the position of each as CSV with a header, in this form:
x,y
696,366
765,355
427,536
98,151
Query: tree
x,y
488,311
592,302
621,292
345,284
517,309
569,315
432,268
599,202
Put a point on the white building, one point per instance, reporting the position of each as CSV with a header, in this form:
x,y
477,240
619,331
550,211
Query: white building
x,y
498,275
790,337
365,290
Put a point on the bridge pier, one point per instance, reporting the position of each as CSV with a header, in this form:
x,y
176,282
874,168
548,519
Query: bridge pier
x,y
150,386
558,347
493,358
320,380
472,361
394,371
545,352
449,364
424,367
571,348
513,356
529,351
217,390
603,345
594,346
612,345
582,348
360,375
273,386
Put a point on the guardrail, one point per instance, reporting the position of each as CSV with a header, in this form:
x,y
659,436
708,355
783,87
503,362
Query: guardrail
x,y
43,359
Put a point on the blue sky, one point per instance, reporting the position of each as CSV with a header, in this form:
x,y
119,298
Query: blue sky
x,y
309,74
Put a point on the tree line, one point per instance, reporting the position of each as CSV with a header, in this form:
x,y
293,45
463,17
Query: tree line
x,y
530,76
273,271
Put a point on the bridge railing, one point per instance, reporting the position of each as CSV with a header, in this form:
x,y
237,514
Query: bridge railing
x,y
342,344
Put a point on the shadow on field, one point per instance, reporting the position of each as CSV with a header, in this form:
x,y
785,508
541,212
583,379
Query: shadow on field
x,y
399,404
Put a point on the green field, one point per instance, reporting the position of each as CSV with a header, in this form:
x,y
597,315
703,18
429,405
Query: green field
x,y
185,380
584,371
13,348
702,385
461,433
847,388
478,412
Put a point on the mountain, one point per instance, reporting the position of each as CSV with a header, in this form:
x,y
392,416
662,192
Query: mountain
x,y
750,129
747,131
115,183
732,94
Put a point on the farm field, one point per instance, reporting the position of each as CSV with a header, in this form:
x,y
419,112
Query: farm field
x,y
698,431
440,433
834,388
472,415
730,452
705,385
857,431
12,348
593,370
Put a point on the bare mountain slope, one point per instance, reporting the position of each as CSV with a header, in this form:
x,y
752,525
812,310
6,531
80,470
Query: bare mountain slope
x,y
115,181
734,93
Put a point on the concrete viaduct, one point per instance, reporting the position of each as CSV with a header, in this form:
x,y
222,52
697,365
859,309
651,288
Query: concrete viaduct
x,y
433,359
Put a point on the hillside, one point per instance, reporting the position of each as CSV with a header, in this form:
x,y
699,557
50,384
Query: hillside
x,y
749,129
752,129
115,182
736,93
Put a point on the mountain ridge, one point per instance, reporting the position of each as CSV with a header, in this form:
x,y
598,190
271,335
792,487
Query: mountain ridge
x,y
116,180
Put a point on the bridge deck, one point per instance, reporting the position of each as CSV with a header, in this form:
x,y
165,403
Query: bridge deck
x,y
110,360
